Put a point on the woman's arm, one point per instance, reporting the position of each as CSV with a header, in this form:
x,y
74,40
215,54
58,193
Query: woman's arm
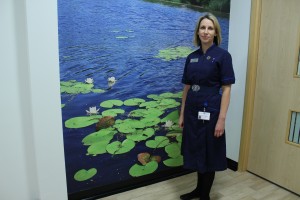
x,y
181,118
220,126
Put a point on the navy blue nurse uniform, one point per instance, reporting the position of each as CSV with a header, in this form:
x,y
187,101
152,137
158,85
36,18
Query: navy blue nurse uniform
x,y
206,73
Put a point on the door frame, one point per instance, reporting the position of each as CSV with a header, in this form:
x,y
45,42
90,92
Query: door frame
x,y
255,19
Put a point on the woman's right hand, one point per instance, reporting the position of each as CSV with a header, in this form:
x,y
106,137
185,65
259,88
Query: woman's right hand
x,y
180,121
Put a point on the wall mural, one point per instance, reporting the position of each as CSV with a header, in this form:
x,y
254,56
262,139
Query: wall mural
x,y
121,64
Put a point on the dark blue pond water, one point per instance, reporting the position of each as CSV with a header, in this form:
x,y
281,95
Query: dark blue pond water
x,y
89,48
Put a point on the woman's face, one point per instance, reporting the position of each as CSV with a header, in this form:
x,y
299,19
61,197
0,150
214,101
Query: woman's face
x,y
206,32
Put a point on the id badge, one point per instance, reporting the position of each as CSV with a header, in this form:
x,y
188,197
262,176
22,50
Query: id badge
x,y
203,115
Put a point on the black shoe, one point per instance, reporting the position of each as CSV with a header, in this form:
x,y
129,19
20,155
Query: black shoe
x,y
191,195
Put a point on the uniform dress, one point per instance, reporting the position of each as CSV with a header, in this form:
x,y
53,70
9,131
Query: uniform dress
x,y
206,73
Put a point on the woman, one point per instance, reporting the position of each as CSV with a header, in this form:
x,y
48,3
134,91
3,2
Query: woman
x,y
208,75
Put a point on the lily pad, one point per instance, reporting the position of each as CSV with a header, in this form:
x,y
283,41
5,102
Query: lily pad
x,y
179,138
173,150
167,95
153,113
178,95
63,105
173,134
134,123
165,102
154,97
74,87
163,99
173,116
111,103
147,113
173,105
128,125
98,148
140,135
133,102
150,121
80,122
67,83
126,129
174,162
101,135
118,147
83,175
176,129
138,113
174,53
98,90
141,170
158,142
112,112
149,104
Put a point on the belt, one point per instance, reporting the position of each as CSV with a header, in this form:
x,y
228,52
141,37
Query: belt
x,y
204,89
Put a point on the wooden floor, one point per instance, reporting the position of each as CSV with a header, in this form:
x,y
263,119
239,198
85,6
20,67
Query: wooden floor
x,y
228,185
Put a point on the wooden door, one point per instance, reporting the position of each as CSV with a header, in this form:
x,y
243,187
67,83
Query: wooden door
x,y
276,96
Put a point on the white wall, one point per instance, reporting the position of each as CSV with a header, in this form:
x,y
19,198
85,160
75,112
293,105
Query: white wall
x,y
32,157
239,26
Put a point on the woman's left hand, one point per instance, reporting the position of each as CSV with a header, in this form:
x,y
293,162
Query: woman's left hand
x,y
220,127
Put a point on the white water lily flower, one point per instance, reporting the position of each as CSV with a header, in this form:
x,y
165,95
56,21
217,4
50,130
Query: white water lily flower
x,y
110,84
169,124
111,79
93,111
89,80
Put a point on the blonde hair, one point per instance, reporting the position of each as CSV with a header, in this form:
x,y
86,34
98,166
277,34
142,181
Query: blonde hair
x,y
217,38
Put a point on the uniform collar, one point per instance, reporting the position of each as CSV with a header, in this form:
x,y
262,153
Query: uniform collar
x,y
209,49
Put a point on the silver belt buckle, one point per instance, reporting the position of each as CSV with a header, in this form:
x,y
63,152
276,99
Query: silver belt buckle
x,y
195,88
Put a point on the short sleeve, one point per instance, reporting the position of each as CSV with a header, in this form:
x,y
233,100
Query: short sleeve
x,y
185,79
226,70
